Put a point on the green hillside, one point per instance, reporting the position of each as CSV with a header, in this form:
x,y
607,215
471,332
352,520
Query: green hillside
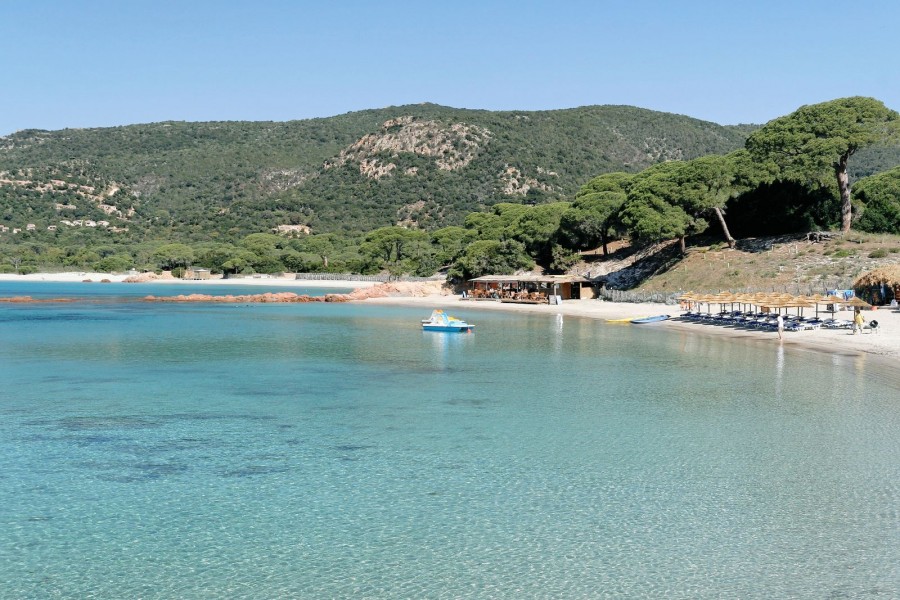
x,y
423,165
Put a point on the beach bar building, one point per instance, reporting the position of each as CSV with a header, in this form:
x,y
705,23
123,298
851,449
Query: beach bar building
x,y
529,289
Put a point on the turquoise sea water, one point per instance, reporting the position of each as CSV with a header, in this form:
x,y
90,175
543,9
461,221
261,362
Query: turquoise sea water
x,y
337,451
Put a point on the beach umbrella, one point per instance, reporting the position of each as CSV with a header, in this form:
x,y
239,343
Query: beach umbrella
x,y
857,303
706,299
743,299
800,303
761,299
768,304
816,299
723,298
690,298
834,300
710,300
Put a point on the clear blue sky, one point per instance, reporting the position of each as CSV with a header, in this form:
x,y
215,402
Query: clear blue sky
x,y
95,63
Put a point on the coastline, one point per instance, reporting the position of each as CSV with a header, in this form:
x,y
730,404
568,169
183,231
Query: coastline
x,y
883,345
287,281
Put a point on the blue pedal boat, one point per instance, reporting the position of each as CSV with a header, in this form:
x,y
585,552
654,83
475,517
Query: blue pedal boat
x,y
441,321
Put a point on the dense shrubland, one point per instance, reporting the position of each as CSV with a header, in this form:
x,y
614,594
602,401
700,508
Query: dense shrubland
x,y
210,195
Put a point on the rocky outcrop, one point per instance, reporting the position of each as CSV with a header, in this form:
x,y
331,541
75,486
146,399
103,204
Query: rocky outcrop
x,y
383,290
149,276
50,185
452,147
401,289
516,183
31,300
280,180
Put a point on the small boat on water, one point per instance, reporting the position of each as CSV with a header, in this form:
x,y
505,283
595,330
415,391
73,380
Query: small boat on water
x,y
654,319
441,321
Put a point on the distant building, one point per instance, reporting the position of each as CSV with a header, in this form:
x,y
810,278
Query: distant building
x,y
530,289
197,274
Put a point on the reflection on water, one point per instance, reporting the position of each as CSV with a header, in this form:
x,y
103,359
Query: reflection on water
x,y
779,371
444,344
558,337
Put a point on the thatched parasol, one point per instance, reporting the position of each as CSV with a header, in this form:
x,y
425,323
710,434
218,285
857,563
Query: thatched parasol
x,y
689,298
857,303
801,302
889,275
816,300
836,301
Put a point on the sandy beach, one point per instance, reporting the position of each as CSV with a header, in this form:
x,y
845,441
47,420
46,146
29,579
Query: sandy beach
x,y
284,281
884,344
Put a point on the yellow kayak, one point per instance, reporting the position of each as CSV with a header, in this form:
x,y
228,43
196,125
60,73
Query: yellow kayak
x,y
628,320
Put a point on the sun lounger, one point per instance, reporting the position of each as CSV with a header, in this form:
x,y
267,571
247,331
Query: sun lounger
x,y
837,324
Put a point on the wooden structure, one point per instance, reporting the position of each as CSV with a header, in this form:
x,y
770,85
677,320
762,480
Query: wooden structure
x,y
880,286
529,289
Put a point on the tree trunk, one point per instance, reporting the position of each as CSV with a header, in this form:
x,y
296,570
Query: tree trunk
x,y
682,245
843,181
605,249
718,211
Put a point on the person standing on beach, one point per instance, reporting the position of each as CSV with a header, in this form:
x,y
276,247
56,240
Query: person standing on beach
x,y
858,321
779,320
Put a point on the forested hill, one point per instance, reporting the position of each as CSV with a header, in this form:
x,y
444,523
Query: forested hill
x,y
425,165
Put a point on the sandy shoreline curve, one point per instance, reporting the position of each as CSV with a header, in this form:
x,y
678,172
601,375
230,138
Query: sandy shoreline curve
x,y
281,281
884,345
430,295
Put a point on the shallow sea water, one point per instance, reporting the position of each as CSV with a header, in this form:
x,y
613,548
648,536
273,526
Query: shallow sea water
x,y
337,451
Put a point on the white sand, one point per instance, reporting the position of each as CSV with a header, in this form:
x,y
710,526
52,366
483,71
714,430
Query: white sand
x,y
885,343
285,281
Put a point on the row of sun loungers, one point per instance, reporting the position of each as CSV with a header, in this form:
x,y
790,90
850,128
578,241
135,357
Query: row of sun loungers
x,y
764,321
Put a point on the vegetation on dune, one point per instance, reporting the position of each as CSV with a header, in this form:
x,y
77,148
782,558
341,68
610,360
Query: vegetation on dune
x,y
776,263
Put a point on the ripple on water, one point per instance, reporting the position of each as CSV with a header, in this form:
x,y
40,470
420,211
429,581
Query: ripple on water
x,y
534,462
